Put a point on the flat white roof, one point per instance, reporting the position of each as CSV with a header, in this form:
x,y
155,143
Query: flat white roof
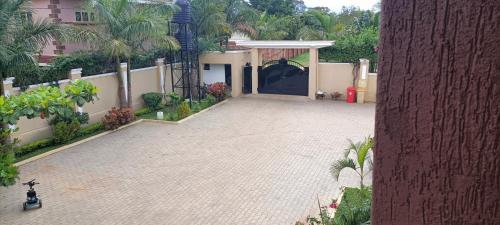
x,y
284,44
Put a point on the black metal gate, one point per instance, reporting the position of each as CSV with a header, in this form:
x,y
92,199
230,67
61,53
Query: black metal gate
x,y
283,77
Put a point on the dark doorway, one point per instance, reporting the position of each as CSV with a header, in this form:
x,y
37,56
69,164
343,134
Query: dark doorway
x,y
283,77
227,69
247,79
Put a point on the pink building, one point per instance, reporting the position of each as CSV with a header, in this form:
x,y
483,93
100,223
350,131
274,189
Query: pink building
x,y
60,11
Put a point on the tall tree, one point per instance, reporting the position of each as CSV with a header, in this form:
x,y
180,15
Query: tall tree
x,y
20,37
279,7
124,26
437,142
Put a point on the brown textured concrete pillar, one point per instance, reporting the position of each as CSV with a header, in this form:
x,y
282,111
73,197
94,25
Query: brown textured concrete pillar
x,y
437,154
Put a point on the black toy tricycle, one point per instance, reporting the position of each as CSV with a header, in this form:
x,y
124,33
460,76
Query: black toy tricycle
x,y
32,200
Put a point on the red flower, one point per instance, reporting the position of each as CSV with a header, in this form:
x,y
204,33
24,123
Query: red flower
x,y
333,205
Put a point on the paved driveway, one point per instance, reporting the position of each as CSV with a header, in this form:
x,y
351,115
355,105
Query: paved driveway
x,y
252,160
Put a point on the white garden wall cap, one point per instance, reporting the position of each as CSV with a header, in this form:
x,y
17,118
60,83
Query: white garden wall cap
x,y
9,80
76,71
285,44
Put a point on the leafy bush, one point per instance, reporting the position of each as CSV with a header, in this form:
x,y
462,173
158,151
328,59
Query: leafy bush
x,y
174,99
218,90
211,99
116,118
64,132
81,92
8,172
184,110
152,100
68,117
31,147
90,129
355,208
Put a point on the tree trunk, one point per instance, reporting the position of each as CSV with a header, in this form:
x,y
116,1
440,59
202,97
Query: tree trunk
x,y
121,88
129,83
437,136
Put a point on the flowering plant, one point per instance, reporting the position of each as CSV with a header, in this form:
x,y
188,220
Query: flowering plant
x,y
218,90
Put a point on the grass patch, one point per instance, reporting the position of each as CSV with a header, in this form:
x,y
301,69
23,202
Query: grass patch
x,y
170,113
302,59
355,205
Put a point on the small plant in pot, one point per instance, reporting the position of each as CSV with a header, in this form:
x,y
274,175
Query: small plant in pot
x,y
336,95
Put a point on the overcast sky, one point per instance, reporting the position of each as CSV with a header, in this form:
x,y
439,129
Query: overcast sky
x,y
336,5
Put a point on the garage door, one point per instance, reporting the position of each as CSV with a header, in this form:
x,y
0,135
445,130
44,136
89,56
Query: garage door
x,y
283,77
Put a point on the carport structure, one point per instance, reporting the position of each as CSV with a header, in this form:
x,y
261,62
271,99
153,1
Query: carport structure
x,y
257,62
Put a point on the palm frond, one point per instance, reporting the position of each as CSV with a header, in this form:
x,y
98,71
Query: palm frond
x,y
340,165
363,149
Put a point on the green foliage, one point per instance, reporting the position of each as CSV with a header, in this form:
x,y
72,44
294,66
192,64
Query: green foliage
x,y
352,47
90,129
81,92
33,146
355,207
279,7
21,39
184,110
174,99
41,102
64,132
361,151
8,172
211,99
143,111
152,100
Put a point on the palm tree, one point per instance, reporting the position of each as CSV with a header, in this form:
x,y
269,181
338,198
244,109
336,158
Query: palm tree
x,y
122,28
361,150
21,38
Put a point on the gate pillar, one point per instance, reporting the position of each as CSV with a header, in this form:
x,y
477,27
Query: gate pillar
x,y
313,73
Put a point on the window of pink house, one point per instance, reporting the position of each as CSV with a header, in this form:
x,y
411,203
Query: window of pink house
x,y
82,16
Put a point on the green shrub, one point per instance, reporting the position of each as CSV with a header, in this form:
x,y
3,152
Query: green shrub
x,y
355,206
90,129
69,116
196,107
152,100
143,111
184,110
211,99
174,99
33,146
64,132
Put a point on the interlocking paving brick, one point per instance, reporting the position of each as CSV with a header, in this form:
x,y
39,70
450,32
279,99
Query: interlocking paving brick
x,y
249,161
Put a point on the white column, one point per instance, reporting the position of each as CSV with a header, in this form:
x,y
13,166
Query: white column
x,y
255,70
362,87
8,86
313,73
161,72
124,79
75,74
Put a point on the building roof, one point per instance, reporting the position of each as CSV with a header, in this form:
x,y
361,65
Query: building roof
x,y
284,44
